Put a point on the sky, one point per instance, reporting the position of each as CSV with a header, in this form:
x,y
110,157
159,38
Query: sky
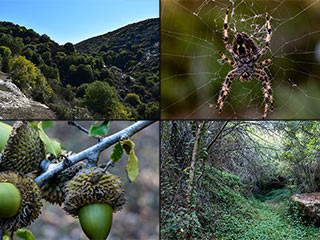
x,y
76,20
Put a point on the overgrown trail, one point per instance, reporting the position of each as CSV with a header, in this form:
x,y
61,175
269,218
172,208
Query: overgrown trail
x,y
270,224
273,204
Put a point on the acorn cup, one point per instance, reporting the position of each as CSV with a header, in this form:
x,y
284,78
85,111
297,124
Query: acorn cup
x,y
23,151
93,195
53,190
20,201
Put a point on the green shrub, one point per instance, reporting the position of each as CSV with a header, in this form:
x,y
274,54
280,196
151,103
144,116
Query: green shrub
x,y
27,76
5,54
100,97
133,99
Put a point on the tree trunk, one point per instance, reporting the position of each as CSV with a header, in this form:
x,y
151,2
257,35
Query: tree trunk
x,y
193,169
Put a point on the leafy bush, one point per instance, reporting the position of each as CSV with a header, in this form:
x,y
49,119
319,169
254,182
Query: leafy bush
x,y
27,76
5,54
100,97
133,99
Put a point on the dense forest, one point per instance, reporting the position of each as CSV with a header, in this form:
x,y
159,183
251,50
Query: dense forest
x,y
240,180
113,76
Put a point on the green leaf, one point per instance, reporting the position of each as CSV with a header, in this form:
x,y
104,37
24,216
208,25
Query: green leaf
x,y
117,153
46,125
25,234
5,131
52,146
33,124
99,130
132,167
6,235
127,145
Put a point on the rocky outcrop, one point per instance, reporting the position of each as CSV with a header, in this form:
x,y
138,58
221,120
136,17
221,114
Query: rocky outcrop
x,y
308,205
15,105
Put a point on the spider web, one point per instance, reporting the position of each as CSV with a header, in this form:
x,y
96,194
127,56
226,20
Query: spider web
x,y
192,71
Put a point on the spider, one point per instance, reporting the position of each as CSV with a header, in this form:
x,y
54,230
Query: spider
x,y
246,53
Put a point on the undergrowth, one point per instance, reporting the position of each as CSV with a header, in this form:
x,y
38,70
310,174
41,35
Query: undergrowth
x,y
222,210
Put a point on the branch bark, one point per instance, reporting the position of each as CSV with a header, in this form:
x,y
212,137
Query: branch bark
x,y
53,169
193,166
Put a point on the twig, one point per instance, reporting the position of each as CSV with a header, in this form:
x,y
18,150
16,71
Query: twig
x,y
90,152
109,164
73,123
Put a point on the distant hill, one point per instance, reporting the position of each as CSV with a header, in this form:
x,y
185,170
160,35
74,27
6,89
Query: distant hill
x,y
137,44
123,66
28,36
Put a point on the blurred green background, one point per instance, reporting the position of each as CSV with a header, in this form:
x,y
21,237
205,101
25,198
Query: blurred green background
x,y
140,217
192,72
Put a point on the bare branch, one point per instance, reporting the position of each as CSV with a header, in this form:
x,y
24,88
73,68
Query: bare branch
x,y
91,152
218,134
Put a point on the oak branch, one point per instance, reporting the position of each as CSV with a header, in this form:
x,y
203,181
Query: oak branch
x,y
91,153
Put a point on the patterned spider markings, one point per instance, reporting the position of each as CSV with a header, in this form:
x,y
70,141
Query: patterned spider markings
x,y
245,54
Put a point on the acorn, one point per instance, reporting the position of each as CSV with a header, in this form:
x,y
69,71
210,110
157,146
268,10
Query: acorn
x,y
24,194
53,190
96,220
23,151
10,200
93,195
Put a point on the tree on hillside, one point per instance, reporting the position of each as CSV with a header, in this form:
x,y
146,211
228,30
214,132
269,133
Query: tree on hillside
x,y
133,99
5,53
69,48
80,74
15,44
100,97
28,77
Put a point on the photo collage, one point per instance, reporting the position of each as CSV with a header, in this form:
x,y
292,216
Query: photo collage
x,y
160,120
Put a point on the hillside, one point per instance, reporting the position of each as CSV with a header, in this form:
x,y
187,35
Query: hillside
x,y
137,44
113,76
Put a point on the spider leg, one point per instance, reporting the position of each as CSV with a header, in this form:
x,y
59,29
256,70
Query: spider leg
x,y
268,98
265,62
226,88
225,32
268,38
225,58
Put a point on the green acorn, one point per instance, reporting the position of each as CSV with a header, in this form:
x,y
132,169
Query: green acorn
x,y
53,190
23,151
92,195
96,220
25,195
10,200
